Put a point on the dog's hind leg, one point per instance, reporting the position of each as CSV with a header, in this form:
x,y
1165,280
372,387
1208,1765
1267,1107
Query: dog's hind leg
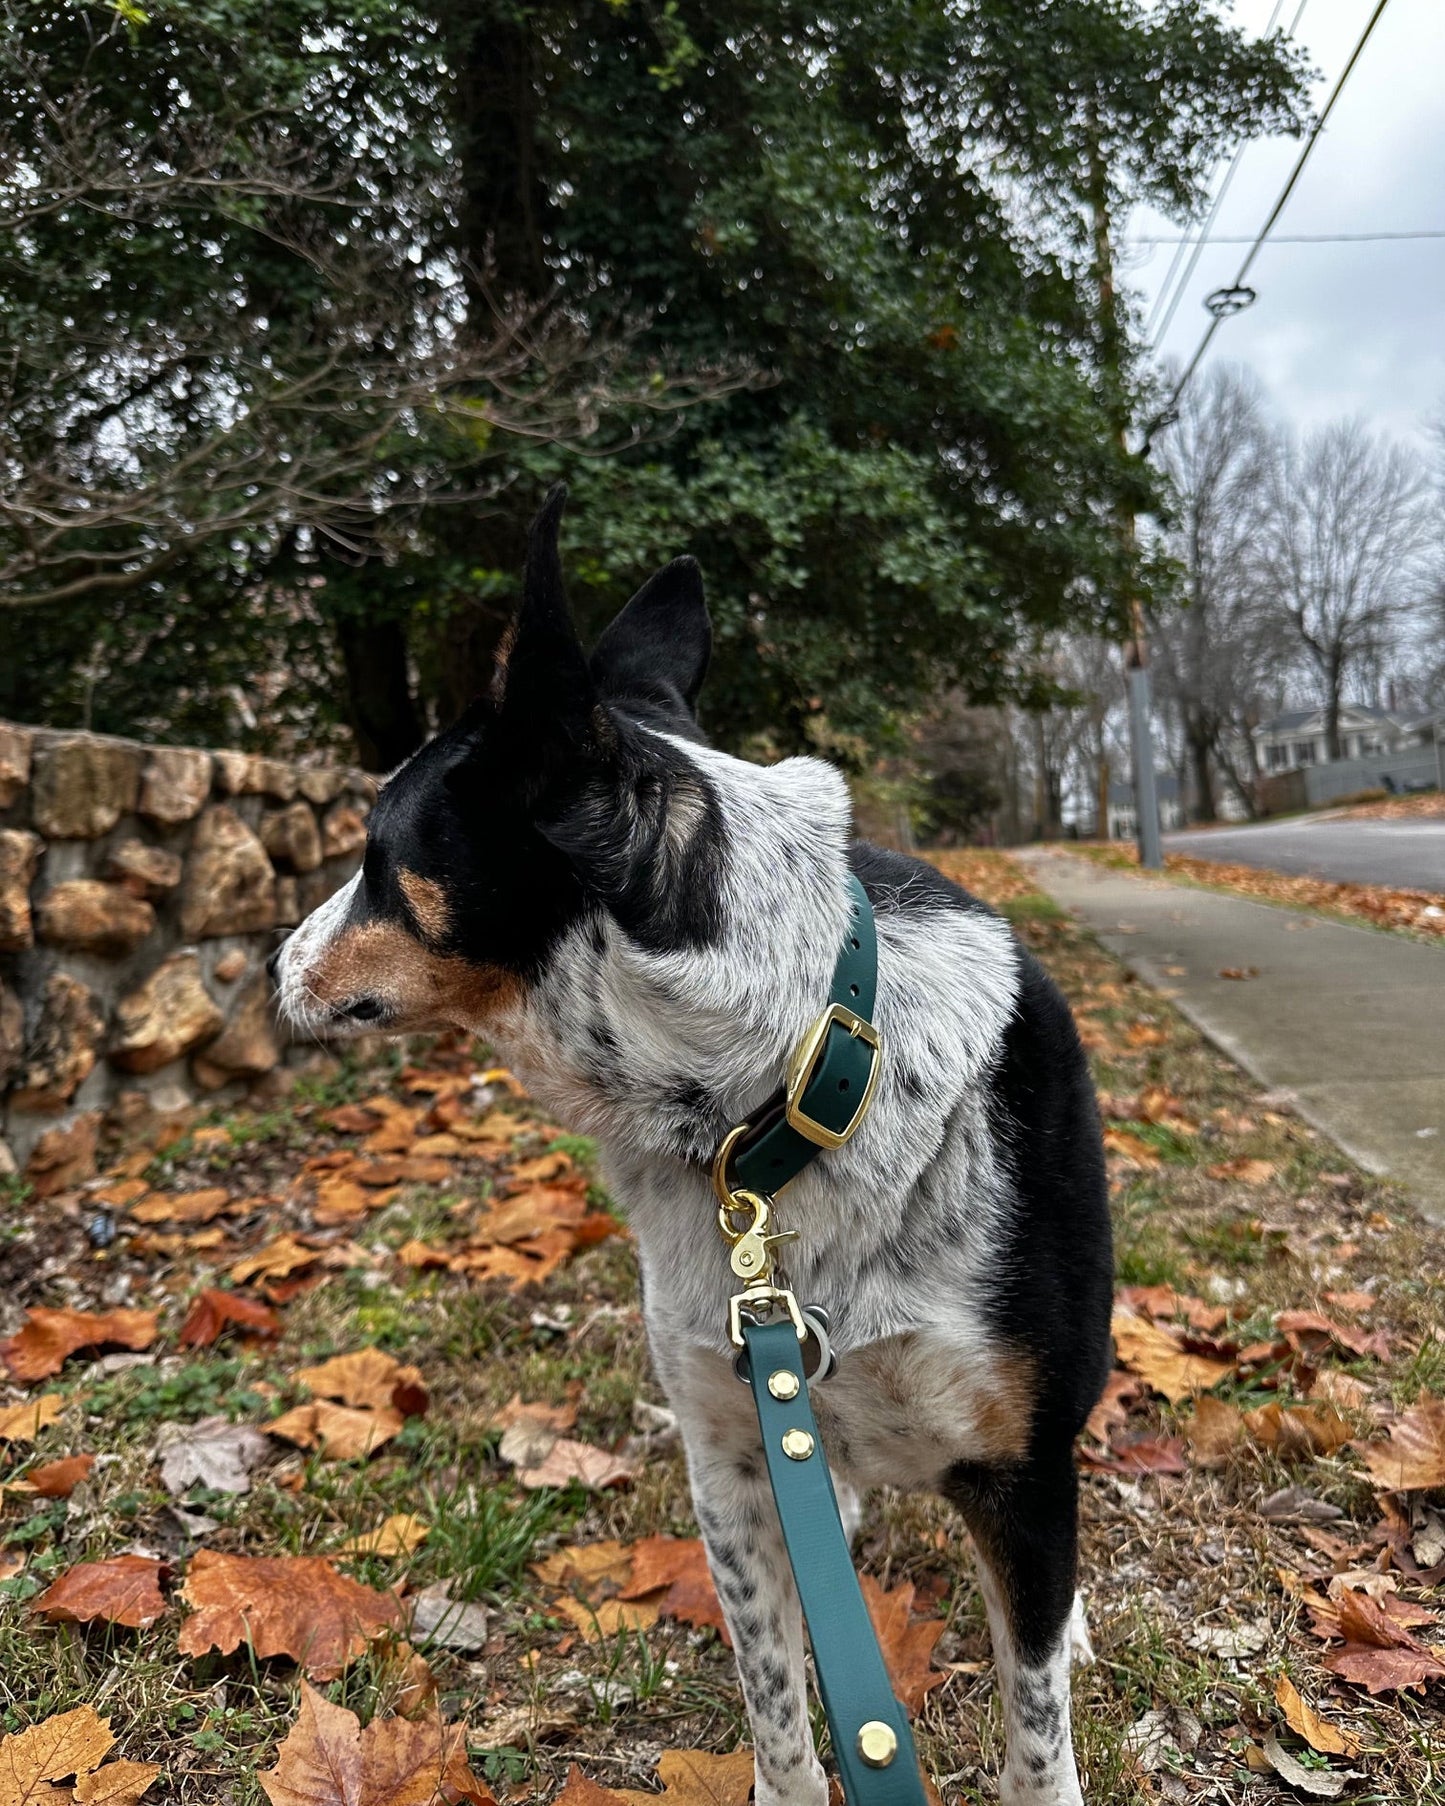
x,y
733,1501
1024,1522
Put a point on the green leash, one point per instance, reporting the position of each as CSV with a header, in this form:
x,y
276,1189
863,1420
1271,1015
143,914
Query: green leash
x,y
830,1084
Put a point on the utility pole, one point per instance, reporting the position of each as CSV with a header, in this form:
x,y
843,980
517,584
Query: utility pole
x,y
1136,649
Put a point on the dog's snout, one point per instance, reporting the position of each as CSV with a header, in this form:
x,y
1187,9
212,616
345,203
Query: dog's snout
x,y
273,966
362,1009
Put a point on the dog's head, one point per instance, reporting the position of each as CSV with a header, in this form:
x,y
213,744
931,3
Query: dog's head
x,y
562,791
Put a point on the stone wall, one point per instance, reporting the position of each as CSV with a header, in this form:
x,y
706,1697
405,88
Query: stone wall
x,y
141,891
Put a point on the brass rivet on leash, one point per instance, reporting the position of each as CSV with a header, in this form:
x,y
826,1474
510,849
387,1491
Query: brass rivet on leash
x,y
797,1445
877,1743
783,1384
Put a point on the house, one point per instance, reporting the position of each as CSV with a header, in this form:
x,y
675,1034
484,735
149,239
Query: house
x,y
1122,822
1297,737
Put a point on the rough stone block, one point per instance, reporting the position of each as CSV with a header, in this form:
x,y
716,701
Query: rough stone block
x,y
12,1033
248,1046
176,783
81,785
61,1052
15,747
248,774
64,1156
288,903
90,917
321,784
343,830
229,967
292,838
167,1016
8,1165
145,871
19,855
230,886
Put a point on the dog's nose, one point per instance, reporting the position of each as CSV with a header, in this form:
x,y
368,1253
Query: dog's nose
x,y
273,965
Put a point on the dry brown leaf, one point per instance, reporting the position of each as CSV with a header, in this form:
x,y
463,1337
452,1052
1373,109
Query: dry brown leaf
x,y
1160,1361
213,1310
541,1168
1329,1739
278,1259
122,1590
1413,1460
48,1338
399,1534
370,1377
907,1642
606,1617
1131,1147
423,1256
328,1759
184,1207
1379,1654
568,1462
586,1565
71,1743
677,1564
1248,1170
340,1432
1214,1431
58,1479
1111,1411
531,1214
1312,1333
699,1778
553,1417
1341,1389
285,1605
117,1784
23,1423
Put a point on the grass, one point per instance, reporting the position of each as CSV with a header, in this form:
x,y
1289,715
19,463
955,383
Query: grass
x,y
1161,1557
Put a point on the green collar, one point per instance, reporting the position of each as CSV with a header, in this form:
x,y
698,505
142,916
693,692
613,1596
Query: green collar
x,y
831,1077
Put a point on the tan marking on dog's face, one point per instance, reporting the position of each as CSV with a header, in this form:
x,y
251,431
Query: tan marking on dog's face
x,y
427,902
420,989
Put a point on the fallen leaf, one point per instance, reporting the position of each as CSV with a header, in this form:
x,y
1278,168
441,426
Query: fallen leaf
x,y
122,1590
578,1790
1379,1654
1328,1739
119,1783
48,1338
212,1310
285,1605
1413,1459
58,1479
552,1417
71,1743
567,1463
437,1618
588,1565
1312,1333
1250,1171
185,1207
369,1377
1321,1784
1111,1411
351,1119
521,1726
1353,1302
1161,1362
1145,1034
605,1617
23,1423
1139,1455
1131,1147
399,1534
679,1565
279,1258
907,1642
1239,971
212,1452
340,1432
699,1778
328,1759
1214,1431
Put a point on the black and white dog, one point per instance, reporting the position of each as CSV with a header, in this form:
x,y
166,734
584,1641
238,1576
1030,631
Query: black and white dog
x,y
645,927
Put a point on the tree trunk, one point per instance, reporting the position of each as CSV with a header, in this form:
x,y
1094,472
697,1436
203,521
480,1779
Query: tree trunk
x,y
1334,678
380,710
1201,771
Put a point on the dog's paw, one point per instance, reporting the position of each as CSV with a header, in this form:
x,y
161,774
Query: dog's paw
x,y
1081,1650
805,1786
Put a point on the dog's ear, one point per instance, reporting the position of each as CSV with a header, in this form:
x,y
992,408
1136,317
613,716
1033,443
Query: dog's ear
x,y
657,649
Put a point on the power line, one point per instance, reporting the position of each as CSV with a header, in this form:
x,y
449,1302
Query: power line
x,y
1279,206
1301,238
1169,311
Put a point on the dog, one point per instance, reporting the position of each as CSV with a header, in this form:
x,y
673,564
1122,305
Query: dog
x,y
644,926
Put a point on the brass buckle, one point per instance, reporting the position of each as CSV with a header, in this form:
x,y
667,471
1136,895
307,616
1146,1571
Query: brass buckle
x,y
760,1301
804,1065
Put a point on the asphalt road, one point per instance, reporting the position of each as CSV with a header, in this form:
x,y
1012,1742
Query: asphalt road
x,y
1408,854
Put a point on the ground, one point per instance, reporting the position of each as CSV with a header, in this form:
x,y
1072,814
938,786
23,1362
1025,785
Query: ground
x,y
1404,850
425,1211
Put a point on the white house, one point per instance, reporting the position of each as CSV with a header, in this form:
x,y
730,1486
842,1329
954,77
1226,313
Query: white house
x,y
1297,737
1123,824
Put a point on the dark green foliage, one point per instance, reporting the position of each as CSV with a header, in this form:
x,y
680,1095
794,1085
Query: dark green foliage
x,y
884,214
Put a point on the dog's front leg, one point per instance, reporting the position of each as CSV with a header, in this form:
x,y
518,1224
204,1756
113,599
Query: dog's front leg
x,y
733,1500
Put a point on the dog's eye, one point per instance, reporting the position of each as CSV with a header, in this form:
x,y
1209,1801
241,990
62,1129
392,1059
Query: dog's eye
x,y
373,865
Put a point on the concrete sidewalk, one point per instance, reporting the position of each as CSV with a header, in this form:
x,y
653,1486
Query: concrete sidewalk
x,y
1351,1020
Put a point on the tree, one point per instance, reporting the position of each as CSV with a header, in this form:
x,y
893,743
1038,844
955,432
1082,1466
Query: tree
x,y
1221,655
1344,537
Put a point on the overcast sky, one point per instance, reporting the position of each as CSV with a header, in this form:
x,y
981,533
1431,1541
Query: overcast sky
x,y
1338,329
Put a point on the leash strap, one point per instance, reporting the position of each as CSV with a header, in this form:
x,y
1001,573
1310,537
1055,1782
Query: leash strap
x,y
872,1743
831,1077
